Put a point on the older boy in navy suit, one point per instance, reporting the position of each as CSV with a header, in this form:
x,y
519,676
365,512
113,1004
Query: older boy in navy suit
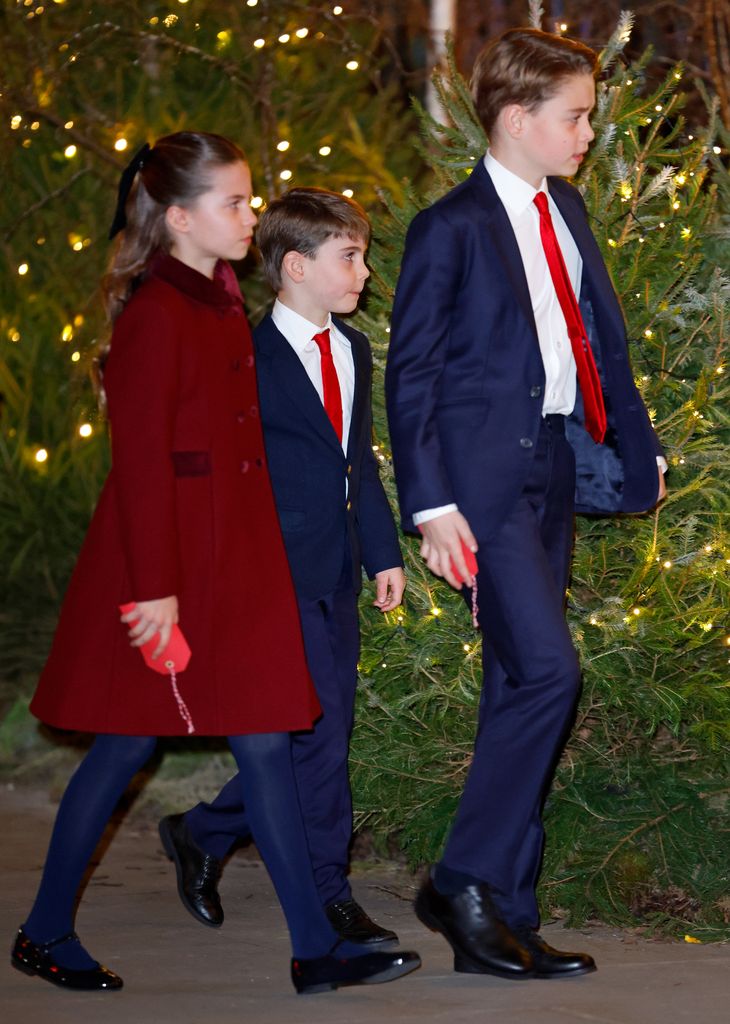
x,y
314,377
511,402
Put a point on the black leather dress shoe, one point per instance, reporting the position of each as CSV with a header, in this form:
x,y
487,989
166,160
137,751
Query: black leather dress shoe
x,y
197,872
324,973
552,963
351,922
481,941
38,961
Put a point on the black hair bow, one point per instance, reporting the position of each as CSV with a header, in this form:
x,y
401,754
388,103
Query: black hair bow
x,y
125,184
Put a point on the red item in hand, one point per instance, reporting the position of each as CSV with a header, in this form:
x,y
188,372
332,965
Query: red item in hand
x,y
173,659
471,564
175,656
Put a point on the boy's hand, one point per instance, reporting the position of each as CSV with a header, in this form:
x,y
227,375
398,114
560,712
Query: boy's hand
x,y
150,617
662,486
390,584
441,545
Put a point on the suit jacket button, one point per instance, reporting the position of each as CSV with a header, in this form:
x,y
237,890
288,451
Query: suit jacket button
x,y
253,411
244,466
349,470
249,361
348,506
526,442
535,391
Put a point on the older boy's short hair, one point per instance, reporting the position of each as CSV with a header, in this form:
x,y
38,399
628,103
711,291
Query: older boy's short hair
x,y
301,220
525,66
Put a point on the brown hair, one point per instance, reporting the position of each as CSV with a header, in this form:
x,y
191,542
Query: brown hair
x,y
174,172
301,220
525,66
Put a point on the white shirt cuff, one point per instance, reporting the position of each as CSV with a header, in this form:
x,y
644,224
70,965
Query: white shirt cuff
x,y
433,513
662,463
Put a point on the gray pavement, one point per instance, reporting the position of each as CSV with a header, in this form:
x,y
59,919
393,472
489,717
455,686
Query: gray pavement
x,y
179,972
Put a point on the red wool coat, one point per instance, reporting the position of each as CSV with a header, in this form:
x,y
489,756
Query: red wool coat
x,y
187,509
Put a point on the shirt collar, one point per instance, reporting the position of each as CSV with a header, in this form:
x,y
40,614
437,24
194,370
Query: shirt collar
x,y
514,192
299,331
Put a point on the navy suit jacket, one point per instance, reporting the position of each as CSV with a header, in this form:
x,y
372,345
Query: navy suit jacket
x,y
465,378
308,468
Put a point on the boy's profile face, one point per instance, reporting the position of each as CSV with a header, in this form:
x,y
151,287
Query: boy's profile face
x,y
334,277
553,138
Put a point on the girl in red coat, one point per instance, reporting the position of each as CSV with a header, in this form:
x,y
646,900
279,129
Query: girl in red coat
x,y
185,532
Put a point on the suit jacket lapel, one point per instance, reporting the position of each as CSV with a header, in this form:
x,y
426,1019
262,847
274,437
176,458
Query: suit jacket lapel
x,y
292,378
503,239
595,274
361,367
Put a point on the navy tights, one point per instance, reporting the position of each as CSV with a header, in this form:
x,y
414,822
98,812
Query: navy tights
x,y
269,794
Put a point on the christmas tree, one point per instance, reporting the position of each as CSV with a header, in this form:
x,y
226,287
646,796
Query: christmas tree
x,y
637,819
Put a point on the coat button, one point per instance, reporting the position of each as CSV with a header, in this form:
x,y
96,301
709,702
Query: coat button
x,y
245,466
236,364
241,416
535,391
249,361
349,470
253,411
526,442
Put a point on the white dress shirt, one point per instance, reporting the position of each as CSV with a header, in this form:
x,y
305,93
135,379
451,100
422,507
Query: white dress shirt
x,y
299,333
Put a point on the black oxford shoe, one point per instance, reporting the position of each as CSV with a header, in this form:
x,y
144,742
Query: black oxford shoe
x,y
324,973
351,922
38,961
481,941
552,963
197,872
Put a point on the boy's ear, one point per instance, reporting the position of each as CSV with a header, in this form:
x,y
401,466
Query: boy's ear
x,y
512,120
177,219
293,265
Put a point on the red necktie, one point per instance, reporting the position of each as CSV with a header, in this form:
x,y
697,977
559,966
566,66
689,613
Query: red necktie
x,y
330,383
588,379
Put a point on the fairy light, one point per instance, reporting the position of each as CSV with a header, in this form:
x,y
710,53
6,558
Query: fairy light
x,y
325,150
435,612
224,38
86,430
707,626
70,151
120,145
15,122
283,146
75,356
337,9
716,150
35,125
67,333
636,611
41,455
708,548
719,369
352,65
593,620
284,37
68,125
675,204
648,333
285,175
626,190
13,334
658,108
302,33
78,320
251,3
23,269
467,648
681,179
170,20
612,242
667,564
258,43
686,233
348,193
256,202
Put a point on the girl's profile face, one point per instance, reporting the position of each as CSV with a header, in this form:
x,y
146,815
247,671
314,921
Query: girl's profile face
x,y
219,224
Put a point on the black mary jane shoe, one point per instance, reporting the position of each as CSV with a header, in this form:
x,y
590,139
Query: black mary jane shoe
x,y
351,922
324,973
38,961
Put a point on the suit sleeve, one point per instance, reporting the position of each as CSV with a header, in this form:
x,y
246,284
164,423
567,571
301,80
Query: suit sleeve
x,y
378,535
142,394
425,301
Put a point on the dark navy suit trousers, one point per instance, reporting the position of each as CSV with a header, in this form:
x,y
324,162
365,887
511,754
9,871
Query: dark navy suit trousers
x,y
330,628
531,681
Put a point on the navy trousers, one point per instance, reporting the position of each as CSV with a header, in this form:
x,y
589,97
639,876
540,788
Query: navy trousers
x,y
330,629
530,686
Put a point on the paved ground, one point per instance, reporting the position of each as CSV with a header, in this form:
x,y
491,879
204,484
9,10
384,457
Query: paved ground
x,y
178,972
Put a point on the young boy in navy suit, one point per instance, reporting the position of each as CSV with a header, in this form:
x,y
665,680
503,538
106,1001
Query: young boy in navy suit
x,y
511,402
314,378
